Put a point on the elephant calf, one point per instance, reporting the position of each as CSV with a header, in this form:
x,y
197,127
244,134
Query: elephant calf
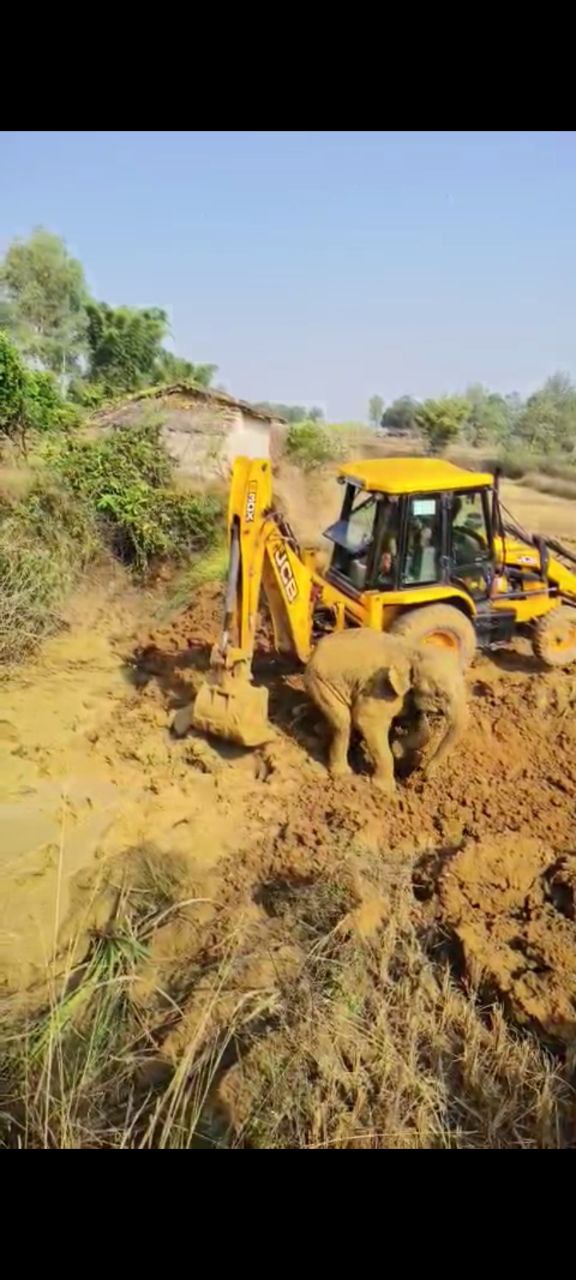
x,y
362,678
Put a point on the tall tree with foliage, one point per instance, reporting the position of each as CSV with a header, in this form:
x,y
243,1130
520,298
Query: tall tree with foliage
x,y
292,413
400,416
29,398
548,420
375,410
124,345
12,390
440,421
170,368
491,415
43,300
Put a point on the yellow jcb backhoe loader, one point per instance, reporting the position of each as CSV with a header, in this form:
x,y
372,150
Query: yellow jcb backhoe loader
x,y
422,548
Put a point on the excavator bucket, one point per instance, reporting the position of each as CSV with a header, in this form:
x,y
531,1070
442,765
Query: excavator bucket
x,y
231,707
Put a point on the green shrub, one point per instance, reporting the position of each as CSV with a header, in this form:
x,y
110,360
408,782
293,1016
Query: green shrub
x,y
514,463
30,401
90,395
439,421
12,390
111,463
45,409
125,477
111,492
309,445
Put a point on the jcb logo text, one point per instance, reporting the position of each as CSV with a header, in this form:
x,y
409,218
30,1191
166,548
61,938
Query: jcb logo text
x,y
287,577
251,503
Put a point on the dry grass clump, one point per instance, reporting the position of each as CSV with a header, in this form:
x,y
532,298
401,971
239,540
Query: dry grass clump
x,y
325,1018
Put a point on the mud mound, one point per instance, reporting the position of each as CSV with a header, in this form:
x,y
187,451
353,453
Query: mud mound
x,y
187,638
512,907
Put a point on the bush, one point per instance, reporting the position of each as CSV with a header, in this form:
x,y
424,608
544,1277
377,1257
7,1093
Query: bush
x,y
125,477
29,400
45,409
439,421
115,492
90,395
46,539
514,463
309,445
12,390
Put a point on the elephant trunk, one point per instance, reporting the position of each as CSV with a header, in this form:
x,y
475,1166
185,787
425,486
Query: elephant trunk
x,y
456,720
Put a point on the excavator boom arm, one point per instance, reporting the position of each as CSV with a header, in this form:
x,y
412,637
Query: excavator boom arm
x,y
264,556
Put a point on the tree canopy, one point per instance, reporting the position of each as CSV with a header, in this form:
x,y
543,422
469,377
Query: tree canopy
x,y
46,308
29,398
171,368
124,344
292,413
375,410
100,351
44,296
548,419
440,421
400,416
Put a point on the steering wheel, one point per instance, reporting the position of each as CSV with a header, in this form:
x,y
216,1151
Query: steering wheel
x,y
460,532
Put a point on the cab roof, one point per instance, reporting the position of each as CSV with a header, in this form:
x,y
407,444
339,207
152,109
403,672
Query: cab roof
x,y
412,475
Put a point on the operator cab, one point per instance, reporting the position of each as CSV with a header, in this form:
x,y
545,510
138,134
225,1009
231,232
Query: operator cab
x,y
387,541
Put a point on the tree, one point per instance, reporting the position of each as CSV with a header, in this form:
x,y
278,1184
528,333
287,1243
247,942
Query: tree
x,y
490,417
375,410
292,413
400,417
12,391
29,398
548,420
124,345
44,298
440,420
171,368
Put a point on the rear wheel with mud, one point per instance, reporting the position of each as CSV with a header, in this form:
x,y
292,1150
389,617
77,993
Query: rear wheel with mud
x,y
442,625
554,641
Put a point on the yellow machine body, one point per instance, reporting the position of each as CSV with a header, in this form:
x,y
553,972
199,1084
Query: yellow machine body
x,y
454,575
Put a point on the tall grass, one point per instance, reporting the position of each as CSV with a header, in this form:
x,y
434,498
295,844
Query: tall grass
x,y
356,1033
46,540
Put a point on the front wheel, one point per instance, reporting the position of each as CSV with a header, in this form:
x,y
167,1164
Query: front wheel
x,y
439,624
554,641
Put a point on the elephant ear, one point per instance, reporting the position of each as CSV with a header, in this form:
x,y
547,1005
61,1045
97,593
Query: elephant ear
x,y
399,678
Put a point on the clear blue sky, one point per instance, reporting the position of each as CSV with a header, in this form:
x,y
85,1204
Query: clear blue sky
x,y
322,266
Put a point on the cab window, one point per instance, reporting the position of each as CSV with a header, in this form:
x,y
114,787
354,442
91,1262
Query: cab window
x,y
366,540
361,523
423,541
470,539
353,536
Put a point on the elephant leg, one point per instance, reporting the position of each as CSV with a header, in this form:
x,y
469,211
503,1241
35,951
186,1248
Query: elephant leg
x,y
373,721
338,716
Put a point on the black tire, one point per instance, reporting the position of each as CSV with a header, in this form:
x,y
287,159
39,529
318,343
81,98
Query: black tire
x,y
440,624
554,640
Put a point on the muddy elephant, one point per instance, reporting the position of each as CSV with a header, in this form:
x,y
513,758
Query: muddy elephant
x,y
366,679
